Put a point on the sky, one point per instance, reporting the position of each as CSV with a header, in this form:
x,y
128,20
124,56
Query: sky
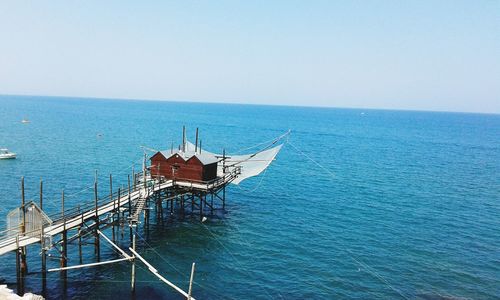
x,y
418,55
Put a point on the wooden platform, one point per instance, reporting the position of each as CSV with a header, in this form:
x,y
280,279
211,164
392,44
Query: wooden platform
x,y
76,217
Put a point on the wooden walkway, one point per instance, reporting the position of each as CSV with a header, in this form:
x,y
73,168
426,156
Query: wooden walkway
x,y
77,217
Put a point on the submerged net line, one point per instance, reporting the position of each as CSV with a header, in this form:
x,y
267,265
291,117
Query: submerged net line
x,y
370,270
205,286
243,269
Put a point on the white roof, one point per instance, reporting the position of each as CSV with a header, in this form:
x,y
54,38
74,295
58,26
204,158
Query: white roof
x,y
205,158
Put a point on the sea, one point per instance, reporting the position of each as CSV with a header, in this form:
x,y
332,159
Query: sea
x,y
359,203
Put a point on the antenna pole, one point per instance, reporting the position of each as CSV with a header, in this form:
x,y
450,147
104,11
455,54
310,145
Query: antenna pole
x,y
183,138
196,144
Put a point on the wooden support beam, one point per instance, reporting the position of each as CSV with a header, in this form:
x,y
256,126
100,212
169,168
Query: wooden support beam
x,y
191,282
89,265
114,245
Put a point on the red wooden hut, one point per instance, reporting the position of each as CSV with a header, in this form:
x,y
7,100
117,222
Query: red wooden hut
x,y
184,165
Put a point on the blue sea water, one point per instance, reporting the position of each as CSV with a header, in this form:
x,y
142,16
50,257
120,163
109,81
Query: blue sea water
x,y
360,204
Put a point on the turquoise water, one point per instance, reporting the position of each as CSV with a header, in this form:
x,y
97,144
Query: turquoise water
x,y
402,204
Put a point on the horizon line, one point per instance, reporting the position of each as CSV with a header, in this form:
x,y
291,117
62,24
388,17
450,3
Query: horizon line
x,y
249,103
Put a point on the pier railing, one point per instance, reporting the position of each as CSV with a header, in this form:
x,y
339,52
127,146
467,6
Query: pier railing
x,y
139,181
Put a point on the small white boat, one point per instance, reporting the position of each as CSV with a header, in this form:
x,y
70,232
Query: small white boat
x,y
25,121
6,154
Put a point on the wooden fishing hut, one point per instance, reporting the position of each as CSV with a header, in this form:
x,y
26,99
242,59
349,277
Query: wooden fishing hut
x,y
184,164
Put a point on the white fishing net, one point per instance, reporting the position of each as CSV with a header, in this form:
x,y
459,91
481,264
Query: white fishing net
x,y
251,164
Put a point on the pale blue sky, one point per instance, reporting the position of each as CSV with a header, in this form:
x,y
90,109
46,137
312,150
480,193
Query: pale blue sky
x,y
426,55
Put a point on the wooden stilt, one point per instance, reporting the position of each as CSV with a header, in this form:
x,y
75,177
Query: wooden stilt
x,y
24,264
80,244
97,249
212,204
114,208
201,207
64,244
19,283
196,141
191,282
130,209
44,271
224,198
133,262
41,194
119,205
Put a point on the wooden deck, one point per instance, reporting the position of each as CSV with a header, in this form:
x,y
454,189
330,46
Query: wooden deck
x,y
76,217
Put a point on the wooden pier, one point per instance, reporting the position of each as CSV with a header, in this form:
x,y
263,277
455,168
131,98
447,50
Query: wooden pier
x,y
114,211
156,186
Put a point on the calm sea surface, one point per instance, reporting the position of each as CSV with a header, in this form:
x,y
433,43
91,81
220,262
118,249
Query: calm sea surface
x,y
401,205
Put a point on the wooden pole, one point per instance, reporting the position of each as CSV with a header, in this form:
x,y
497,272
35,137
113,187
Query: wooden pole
x,y
191,282
201,207
183,138
19,281
89,265
224,197
80,244
41,194
129,209
133,177
224,174
114,207
119,204
196,142
64,244
24,264
155,272
211,203
144,171
23,225
44,265
133,263
44,248
96,235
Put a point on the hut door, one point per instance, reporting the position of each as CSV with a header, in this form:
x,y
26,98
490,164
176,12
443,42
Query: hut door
x,y
174,170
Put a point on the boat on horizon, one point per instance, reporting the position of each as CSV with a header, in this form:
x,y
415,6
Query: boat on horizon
x,y
6,154
24,121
